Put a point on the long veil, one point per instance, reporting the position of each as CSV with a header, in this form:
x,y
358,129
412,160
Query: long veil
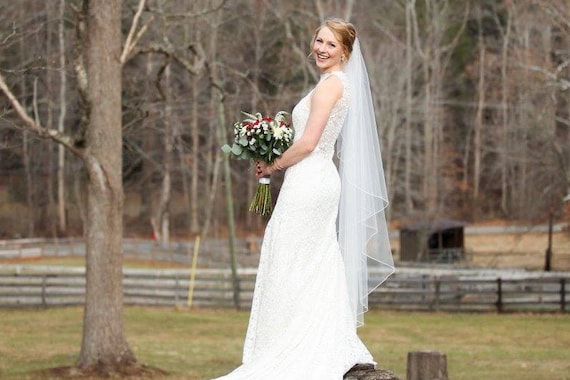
x,y
362,230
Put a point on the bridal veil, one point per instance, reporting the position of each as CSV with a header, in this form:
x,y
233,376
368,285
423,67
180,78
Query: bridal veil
x,y
362,230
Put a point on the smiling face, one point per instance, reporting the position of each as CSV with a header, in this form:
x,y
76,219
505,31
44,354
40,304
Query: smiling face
x,y
328,51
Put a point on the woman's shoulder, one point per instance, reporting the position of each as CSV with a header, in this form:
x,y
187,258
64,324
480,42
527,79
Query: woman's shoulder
x,y
341,75
330,86
333,81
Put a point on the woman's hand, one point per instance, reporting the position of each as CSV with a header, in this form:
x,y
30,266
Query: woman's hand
x,y
262,169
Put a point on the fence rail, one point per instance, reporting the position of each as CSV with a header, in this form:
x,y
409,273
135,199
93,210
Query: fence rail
x,y
213,288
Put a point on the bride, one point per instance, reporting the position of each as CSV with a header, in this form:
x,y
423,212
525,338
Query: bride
x,y
326,245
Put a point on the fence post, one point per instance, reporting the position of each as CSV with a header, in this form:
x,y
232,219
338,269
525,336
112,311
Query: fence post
x,y
499,295
44,285
176,283
437,291
563,294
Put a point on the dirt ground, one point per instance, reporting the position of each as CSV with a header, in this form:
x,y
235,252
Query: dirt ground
x,y
520,250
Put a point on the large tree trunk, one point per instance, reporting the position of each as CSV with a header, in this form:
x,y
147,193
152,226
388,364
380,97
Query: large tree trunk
x,y
104,346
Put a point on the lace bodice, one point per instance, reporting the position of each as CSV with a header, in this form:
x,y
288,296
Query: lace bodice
x,y
300,115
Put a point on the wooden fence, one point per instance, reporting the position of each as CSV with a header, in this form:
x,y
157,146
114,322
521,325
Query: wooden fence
x,y
213,288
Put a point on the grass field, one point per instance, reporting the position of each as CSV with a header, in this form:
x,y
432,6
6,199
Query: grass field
x,y
201,344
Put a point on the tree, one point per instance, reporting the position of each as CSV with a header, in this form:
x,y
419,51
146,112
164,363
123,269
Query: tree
x,y
104,343
104,346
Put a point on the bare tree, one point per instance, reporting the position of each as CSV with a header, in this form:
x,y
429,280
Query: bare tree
x,y
104,346
61,204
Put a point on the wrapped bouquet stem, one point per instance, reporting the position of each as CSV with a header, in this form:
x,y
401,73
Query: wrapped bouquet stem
x,y
261,138
261,204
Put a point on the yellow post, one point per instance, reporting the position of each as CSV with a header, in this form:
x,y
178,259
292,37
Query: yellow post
x,y
193,271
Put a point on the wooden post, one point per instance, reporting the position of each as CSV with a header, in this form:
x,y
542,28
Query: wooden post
x,y
563,294
44,290
499,295
427,365
437,291
548,259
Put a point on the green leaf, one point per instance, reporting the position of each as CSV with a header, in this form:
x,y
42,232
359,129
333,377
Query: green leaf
x,y
236,150
243,141
226,149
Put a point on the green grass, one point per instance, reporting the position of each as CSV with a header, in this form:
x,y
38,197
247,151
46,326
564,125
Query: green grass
x,y
201,344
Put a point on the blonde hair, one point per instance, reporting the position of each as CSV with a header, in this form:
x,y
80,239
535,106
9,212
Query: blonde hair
x,y
344,32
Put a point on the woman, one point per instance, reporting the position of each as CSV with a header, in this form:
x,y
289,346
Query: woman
x,y
309,298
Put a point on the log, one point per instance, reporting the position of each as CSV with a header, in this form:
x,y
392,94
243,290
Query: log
x,y
368,372
427,365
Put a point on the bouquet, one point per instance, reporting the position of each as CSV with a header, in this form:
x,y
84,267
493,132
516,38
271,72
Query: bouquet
x,y
261,139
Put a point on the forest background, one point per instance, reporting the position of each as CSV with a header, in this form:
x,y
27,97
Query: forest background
x,y
472,102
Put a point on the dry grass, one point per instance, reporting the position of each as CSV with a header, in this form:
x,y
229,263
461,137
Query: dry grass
x,y
201,344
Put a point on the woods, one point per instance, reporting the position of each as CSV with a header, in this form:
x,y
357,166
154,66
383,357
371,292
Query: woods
x,y
471,99
113,114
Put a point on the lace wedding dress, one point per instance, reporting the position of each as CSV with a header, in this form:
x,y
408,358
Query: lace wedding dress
x,y
301,325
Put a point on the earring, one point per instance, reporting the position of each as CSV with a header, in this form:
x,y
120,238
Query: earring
x,y
342,58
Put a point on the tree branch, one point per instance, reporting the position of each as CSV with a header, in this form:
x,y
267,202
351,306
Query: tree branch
x,y
132,39
171,53
191,14
35,127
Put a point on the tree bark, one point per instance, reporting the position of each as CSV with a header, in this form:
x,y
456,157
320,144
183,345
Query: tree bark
x,y
61,207
427,365
104,346
409,207
478,123
505,111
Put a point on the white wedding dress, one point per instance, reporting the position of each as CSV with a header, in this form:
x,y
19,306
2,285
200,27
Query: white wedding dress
x,y
301,325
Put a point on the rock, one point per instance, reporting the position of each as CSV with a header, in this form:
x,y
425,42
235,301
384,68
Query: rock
x,y
367,372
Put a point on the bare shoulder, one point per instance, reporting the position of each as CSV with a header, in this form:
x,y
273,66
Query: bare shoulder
x,y
329,90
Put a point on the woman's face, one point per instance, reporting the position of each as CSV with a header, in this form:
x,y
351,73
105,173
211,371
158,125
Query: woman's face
x,y
327,51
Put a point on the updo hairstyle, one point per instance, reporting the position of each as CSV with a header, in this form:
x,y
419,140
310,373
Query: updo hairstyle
x,y
344,32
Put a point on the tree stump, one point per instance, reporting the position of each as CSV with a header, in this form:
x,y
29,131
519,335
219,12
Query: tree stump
x,y
427,365
368,372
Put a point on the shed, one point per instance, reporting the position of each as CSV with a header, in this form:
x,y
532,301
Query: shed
x,y
433,241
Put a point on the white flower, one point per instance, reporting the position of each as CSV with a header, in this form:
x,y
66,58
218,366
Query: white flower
x,y
278,133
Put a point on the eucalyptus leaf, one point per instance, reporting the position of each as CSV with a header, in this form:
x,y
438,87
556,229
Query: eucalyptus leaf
x,y
226,149
237,150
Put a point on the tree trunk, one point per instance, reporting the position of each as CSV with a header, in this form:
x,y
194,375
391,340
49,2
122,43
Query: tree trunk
x,y
104,346
161,221
26,154
218,95
409,94
195,133
61,122
505,112
478,123
427,365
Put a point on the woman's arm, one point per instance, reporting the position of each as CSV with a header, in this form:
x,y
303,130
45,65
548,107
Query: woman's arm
x,y
323,99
